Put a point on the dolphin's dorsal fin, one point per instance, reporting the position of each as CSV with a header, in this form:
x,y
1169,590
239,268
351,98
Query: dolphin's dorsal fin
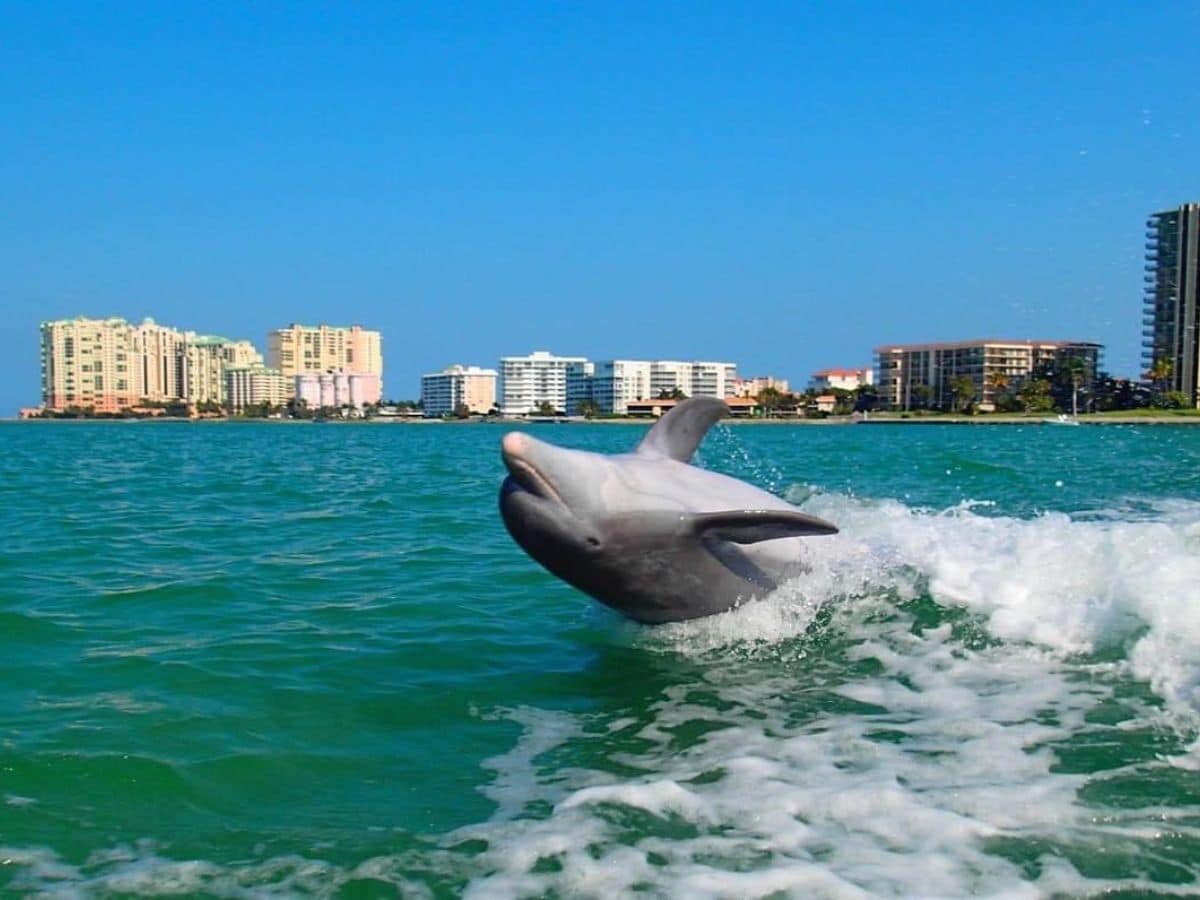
x,y
749,526
678,433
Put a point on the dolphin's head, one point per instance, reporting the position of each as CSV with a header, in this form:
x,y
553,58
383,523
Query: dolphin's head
x,y
548,499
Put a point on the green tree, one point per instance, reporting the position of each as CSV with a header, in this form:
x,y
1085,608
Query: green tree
x,y
589,409
546,408
769,400
672,394
1034,394
962,389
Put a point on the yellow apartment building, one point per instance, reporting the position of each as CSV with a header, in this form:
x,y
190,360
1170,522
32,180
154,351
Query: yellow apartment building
x,y
305,349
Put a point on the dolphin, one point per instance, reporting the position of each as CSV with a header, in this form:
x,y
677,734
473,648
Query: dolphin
x,y
646,533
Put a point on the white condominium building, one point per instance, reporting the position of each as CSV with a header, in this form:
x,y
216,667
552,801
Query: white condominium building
x,y
613,384
159,351
205,359
254,385
528,382
470,387
302,349
617,382
333,390
695,379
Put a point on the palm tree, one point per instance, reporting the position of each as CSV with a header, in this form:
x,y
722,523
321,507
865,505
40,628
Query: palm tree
x,y
1161,372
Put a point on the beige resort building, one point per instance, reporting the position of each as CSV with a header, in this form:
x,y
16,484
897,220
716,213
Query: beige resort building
x,y
906,372
444,392
111,364
305,349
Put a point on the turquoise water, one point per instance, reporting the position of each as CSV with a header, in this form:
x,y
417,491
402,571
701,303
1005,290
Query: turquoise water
x,y
268,660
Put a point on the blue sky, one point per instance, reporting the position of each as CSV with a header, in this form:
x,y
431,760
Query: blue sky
x,y
781,185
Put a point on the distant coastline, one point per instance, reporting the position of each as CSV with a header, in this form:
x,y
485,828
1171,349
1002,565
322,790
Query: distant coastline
x,y
1155,418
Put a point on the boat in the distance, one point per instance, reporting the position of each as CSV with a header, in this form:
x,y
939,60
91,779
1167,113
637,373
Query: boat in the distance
x,y
1061,419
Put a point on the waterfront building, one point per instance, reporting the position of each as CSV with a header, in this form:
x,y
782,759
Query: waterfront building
x,y
580,386
467,387
920,375
110,364
159,350
334,390
1171,314
612,384
89,363
841,379
617,382
247,386
527,382
205,357
305,349
752,387
695,379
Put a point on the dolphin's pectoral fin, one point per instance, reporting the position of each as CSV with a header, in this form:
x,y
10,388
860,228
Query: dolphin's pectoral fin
x,y
678,433
749,526
737,562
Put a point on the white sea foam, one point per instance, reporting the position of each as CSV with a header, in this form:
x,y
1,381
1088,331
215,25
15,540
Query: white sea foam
x,y
949,751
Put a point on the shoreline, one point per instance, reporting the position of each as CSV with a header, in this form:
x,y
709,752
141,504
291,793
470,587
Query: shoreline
x,y
1039,420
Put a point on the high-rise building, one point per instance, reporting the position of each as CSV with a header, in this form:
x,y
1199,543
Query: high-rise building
x,y
159,354
458,387
528,382
304,349
110,364
920,375
90,363
617,382
204,361
1171,317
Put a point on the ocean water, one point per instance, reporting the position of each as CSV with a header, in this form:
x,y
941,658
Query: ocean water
x,y
270,660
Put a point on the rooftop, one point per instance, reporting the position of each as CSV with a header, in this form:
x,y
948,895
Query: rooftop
x,y
983,342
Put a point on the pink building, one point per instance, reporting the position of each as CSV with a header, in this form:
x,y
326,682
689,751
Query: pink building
x,y
338,389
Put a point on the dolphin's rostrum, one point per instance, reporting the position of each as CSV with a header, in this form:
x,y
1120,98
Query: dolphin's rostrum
x,y
646,533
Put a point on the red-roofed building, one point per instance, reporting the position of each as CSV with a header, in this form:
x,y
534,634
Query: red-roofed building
x,y
841,379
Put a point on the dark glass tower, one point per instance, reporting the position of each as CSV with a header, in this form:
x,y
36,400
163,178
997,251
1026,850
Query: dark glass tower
x,y
1169,321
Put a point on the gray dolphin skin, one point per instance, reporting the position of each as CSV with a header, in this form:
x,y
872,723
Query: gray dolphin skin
x,y
646,533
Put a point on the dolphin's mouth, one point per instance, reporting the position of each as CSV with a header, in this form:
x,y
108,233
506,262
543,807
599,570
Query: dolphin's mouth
x,y
530,480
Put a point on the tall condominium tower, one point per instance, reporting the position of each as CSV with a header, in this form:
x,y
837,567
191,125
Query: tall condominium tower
x,y
111,364
528,382
303,349
1170,321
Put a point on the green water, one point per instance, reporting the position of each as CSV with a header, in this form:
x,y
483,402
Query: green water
x,y
243,660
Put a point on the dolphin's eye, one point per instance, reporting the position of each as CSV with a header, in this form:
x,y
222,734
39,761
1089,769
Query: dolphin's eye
x,y
593,541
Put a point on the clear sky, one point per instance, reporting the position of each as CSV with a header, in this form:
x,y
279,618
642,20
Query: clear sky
x,y
781,185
